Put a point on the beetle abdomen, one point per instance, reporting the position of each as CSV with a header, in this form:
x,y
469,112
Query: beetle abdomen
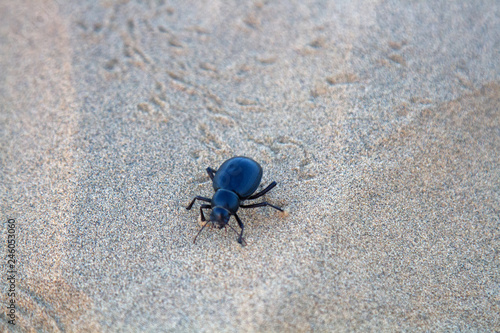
x,y
241,175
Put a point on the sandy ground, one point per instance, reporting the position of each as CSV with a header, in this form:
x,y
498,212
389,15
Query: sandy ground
x,y
379,120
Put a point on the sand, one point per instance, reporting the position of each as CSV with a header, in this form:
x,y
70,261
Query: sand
x,y
379,120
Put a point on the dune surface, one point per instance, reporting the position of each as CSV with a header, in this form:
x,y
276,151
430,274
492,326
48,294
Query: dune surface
x,y
379,120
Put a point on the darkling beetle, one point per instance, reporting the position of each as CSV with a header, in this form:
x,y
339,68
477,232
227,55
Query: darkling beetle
x,y
234,182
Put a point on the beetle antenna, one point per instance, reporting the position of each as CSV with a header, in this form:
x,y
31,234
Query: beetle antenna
x,y
199,232
236,233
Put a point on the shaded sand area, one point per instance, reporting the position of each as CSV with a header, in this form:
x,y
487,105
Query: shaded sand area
x,y
379,120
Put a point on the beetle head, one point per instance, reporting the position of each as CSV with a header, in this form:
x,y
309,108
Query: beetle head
x,y
219,217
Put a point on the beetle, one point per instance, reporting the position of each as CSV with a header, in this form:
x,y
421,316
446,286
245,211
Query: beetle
x,y
234,182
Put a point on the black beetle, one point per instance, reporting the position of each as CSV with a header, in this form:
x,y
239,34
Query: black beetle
x,y
234,182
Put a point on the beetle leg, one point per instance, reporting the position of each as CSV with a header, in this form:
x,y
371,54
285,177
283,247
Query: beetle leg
x,y
197,198
211,173
240,238
201,211
264,191
261,204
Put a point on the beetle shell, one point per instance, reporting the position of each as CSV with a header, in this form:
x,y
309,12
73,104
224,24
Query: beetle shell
x,y
242,175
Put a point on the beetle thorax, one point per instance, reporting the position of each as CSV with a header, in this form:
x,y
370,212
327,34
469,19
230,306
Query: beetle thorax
x,y
226,199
